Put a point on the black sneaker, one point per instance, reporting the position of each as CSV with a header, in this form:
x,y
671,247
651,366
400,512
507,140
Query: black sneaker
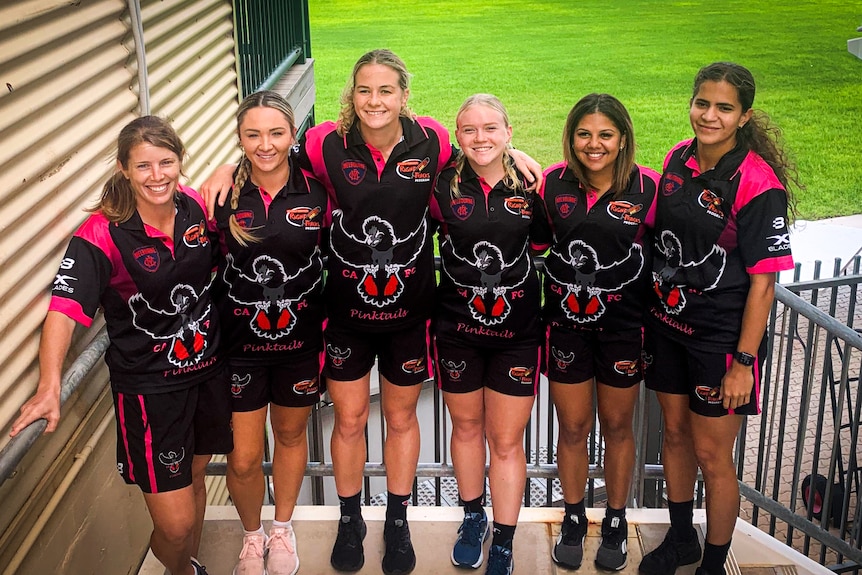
x,y
199,569
673,552
347,553
702,571
613,553
399,558
569,548
500,561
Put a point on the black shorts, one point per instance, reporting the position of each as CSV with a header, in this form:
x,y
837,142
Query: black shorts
x,y
159,433
294,383
671,367
510,371
402,356
577,355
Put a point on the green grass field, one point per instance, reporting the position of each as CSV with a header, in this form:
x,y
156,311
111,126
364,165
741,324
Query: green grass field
x,y
540,57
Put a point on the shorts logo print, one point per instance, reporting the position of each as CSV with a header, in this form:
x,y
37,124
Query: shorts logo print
x,y
711,395
413,365
626,366
306,387
237,383
522,375
354,171
171,460
336,355
562,360
453,370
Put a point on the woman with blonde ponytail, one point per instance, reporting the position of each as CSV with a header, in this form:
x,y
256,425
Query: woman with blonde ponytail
x,y
171,396
487,332
271,303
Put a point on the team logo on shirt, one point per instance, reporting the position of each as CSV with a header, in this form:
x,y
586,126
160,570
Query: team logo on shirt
x,y
671,183
583,297
147,257
519,206
781,242
270,293
413,365
626,367
453,370
196,236
488,295
711,395
306,218
562,360
306,387
522,374
380,256
171,460
337,356
245,218
462,207
354,171
712,203
677,273
237,383
414,170
186,333
625,212
565,205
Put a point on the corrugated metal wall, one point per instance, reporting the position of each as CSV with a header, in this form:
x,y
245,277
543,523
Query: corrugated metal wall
x,y
68,83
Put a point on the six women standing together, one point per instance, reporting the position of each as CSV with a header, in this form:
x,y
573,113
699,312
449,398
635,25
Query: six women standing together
x,y
703,240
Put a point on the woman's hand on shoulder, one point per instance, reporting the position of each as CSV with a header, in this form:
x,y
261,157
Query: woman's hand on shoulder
x,y
217,187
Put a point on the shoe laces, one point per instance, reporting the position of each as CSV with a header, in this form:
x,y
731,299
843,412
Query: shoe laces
x,y
499,560
348,532
398,537
281,538
471,529
612,532
252,546
573,529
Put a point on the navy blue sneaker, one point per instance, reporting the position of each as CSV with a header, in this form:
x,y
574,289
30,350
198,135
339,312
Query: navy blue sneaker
x,y
500,561
472,533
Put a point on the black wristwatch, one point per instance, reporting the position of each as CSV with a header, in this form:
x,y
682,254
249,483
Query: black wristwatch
x,y
743,358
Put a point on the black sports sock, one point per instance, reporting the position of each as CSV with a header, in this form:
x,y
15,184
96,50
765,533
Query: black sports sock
x,y
714,557
396,506
350,505
503,535
681,517
474,505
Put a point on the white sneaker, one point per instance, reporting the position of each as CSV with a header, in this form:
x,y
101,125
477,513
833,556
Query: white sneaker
x,y
281,556
251,556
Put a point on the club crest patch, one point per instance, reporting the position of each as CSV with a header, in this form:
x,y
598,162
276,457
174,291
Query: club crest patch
x,y
462,207
354,171
244,218
671,183
147,257
565,205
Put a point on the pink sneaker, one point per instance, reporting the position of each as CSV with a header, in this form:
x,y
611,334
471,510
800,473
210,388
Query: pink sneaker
x,y
251,556
281,557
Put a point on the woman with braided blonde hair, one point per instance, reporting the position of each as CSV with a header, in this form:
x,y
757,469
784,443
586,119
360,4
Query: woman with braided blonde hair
x,y
271,231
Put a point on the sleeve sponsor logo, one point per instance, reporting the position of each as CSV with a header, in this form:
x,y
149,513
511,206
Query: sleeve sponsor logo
x,y
61,283
354,171
414,170
781,242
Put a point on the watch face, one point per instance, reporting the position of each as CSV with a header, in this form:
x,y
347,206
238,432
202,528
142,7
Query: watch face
x,y
745,359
